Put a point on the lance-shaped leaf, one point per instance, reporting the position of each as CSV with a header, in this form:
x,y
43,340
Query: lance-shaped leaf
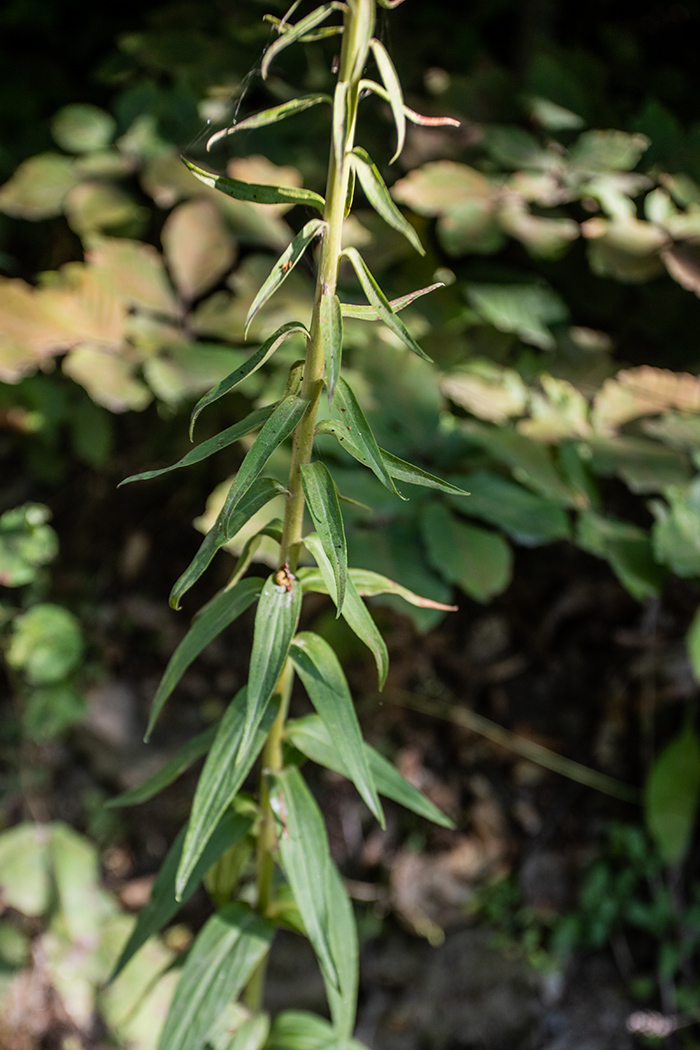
x,y
310,736
284,266
277,428
297,31
269,116
322,501
393,87
380,303
211,445
259,493
251,365
305,857
331,326
215,617
361,312
372,584
163,903
299,1030
377,194
256,193
324,681
170,771
361,434
225,769
225,954
410,114
345,953
276,620
354,611
316,34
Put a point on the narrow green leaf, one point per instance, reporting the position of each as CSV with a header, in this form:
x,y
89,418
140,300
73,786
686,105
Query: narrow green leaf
x,y
370,584
269,116
211,621
296,32
163,903
410,114
363,28
692,643
259,493
299,1030
305,857
367,313
310,736
246,1033
377,194
223,957
393,87
256,193
322,501
284,266
324,681
316,34
214,444
672,794
354,611
225,769
170,771
251,365
346,956
331,326
361,434
379,302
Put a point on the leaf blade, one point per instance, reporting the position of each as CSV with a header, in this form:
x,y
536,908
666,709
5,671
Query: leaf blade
x,y
256,193
361,312
297,31
392,84
322,500
376,192
361,434
284,266
331,328
269,116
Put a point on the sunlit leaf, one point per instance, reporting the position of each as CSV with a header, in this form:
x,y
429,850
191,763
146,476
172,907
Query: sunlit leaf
x,y
284,265
266,117
109,380
367,313
324,681
322,501
378,196
297,31
198,248
672,794
224,955
82,128
214,618
354,419
38,187
256,193
330,320
393,87
46,644
24,868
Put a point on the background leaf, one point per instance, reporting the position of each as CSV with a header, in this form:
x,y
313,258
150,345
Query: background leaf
x,y
671,795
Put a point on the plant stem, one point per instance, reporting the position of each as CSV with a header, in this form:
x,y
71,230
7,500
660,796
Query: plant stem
x,y
358,22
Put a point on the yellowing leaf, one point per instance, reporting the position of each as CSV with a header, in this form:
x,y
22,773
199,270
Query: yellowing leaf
x,y
487,390
198,248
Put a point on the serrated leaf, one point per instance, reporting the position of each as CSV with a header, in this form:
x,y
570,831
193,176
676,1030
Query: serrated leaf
x,y
169,772
330,321
276,620
353,418
379,302
225,954
256,193
324,681
211,446
310,736
260,492
392,84
284,266
305,857
163,904
354,611
225,769
322,501
297,31
367,313
215,617
671,795
247,369
377,194
269,116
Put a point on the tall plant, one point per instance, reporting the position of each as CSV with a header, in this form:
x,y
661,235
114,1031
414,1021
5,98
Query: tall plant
x,y
280,832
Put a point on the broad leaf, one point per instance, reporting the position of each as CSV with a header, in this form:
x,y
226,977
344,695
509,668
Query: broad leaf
x,y
322,501
215,617
254,192
331,327
170,771
251,365
310,736
393,87
259,493
163,903
225,954
478,561
269,116
225,769
284,266
324,681
354,611
297,31
377,194
361,434
379,302
672,794
276,620
214,444
367,313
